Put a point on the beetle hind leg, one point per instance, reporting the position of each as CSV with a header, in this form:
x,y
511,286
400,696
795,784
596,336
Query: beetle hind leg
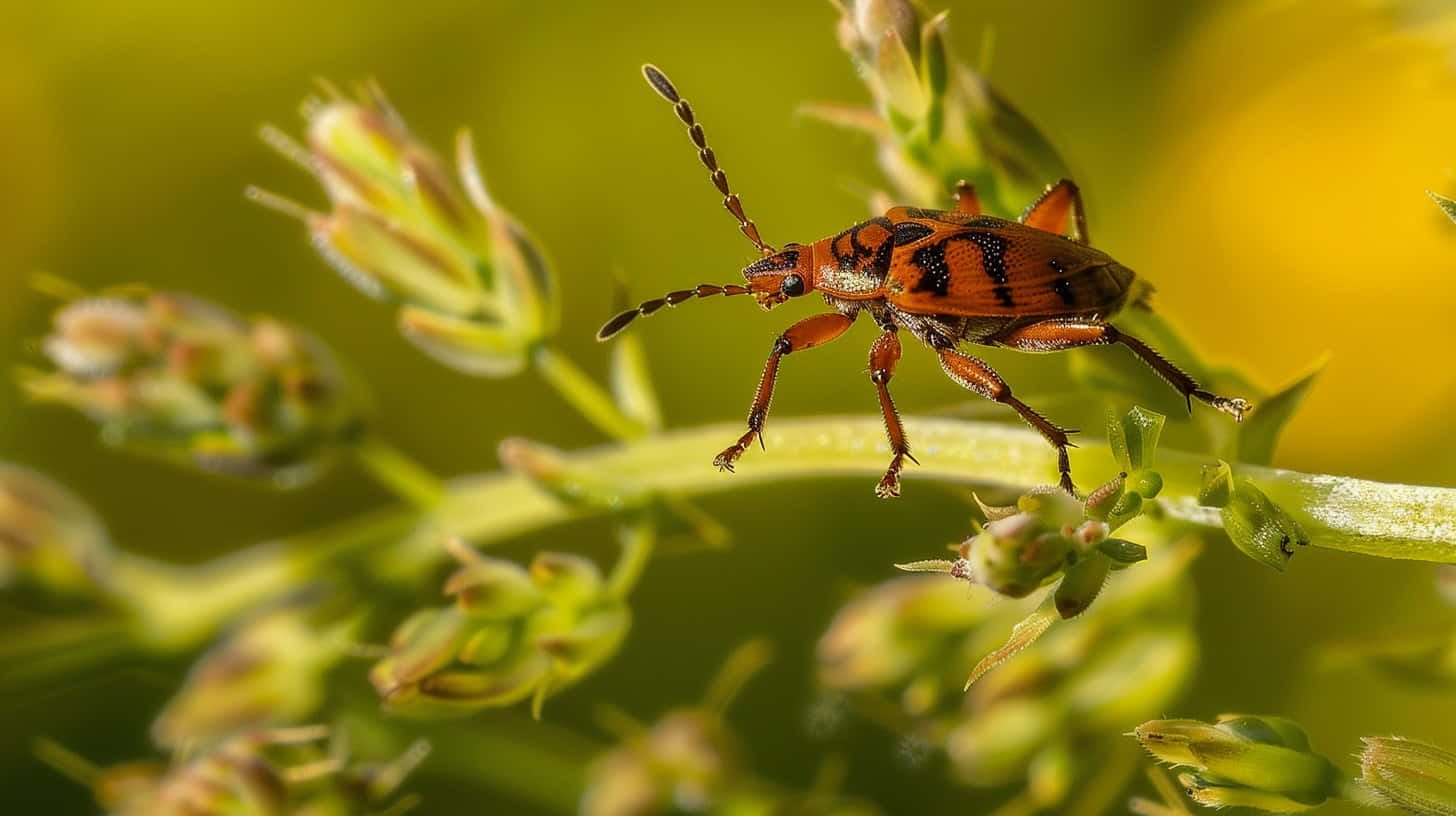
x,y
884,355
975,375
807,333
1058,335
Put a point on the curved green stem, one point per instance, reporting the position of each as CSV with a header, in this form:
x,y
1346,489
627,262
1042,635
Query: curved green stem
x,y
179,607
585,395
404,476
1339,513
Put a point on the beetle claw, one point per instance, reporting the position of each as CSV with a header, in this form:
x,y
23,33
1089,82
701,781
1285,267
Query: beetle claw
x,y
889,486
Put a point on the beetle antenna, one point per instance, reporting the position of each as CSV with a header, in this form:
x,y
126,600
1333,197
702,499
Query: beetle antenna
x,y
647,307
664,88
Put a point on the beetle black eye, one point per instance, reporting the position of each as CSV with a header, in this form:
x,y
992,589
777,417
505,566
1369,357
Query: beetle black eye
x,y
793,286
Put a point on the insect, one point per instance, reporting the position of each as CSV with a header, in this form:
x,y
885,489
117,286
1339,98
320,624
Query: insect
x,y
948,278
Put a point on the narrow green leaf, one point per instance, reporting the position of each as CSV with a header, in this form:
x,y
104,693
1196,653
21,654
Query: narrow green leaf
x,y
1447,205
1258,435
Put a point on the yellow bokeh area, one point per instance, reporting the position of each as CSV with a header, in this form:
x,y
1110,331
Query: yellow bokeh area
x,y
1288,220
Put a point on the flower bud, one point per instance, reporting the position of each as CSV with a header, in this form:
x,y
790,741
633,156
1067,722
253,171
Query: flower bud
x,y
1261,529
1262,762
49,536
183,379
256,773
1414,776
1016,555
473,290
514,633
269,672
945,121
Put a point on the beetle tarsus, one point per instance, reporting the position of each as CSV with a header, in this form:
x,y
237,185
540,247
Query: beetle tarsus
x,y
1233,406
724,461
889,486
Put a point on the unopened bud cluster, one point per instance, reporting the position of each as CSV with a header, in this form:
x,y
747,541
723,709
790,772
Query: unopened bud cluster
x,y
1038,717
258,773
473,289
690,761
270,671
513,633
181,378
937,121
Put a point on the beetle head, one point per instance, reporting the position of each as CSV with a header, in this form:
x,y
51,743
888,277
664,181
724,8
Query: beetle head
x,y
787,273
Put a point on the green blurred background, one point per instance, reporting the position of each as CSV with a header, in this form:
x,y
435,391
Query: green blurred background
x,y
1262,163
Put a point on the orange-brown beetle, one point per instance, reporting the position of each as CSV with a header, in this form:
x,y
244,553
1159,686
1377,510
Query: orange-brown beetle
x,y
946,277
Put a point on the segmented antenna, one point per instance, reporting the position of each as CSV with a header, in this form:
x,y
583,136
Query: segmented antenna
x,y
663,86
647,307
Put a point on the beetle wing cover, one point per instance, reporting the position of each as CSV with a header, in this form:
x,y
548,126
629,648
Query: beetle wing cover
x,y
953,263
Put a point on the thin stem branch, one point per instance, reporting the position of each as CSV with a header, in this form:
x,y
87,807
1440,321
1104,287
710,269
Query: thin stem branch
x,y
585,395
404,476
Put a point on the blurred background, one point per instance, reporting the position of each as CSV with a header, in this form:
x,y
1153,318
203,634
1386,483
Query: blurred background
x,y
1263,163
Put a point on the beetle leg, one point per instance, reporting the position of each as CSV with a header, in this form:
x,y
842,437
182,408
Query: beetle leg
x,y
1050,212
967,202
807,333
1057,335
884,355
975,375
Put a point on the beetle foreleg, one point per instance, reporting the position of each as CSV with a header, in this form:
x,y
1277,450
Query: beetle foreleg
x,y
975,375
884,355
807,333
1057,335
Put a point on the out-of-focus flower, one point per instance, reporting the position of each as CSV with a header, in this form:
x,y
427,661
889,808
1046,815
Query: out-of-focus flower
x,y
268,672
690,761
49,536
1415,776
1127,658
181,378
513,633
1242,761
473,289
937,121
274,772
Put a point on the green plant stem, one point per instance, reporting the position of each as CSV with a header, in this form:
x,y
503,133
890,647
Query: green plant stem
x,y
178,607
585,395
638,540
403,476
1339,513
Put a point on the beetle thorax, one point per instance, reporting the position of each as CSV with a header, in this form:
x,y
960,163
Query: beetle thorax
x,y
853,264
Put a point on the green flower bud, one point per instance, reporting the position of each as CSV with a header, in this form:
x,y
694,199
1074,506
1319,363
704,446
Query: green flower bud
x,y
1133,438
1016,555
1260,528
1263,762
1414,776
269,672
48,536
472,288
186,380
493,589
1081,585
513,634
